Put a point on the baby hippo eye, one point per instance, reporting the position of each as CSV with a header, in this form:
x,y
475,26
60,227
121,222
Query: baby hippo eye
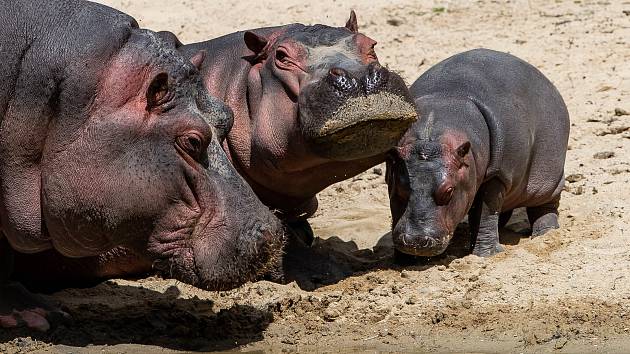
x,y
444,194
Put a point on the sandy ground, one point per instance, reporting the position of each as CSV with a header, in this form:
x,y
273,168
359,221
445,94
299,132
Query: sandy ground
x,y
568,291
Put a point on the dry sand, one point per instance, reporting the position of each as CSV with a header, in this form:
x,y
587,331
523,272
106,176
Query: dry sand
x,y
568,291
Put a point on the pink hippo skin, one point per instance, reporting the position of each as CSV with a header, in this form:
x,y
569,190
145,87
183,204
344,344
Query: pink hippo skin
x,y
312,106
110,149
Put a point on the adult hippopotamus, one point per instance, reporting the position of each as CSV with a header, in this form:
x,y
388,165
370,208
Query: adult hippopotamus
x,y
492,137
107,140
312,106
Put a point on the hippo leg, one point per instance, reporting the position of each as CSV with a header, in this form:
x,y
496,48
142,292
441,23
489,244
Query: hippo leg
x,y
19,307
301,231
484,219
543,218
504,218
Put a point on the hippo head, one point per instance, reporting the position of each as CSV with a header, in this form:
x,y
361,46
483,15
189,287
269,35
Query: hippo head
x,y
432,184
344,105
143,168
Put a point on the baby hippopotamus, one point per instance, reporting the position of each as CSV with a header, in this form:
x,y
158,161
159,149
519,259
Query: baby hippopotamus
x,y
492,136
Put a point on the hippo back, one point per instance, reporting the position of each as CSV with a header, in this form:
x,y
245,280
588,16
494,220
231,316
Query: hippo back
x,y
523,111
51,56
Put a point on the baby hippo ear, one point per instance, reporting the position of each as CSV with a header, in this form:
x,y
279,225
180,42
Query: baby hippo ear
x,y
352,22
158,91
198,59
463,149
254,42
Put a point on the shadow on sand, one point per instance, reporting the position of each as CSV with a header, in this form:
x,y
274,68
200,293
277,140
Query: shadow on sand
x,y
331,260
128,314
134,315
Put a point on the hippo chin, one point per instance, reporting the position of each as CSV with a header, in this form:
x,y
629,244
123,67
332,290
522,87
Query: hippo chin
x,y
312,107
492,137
109,141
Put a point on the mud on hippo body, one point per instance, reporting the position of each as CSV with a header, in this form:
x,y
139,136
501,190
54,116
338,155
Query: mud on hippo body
x,y
108,139
312,105
492,136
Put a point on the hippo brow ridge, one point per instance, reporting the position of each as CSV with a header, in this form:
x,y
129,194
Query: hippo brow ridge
x,y
380,106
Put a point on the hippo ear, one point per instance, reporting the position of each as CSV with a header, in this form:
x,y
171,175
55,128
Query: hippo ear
x,y
254,42
158,92
463,149
352,22
198,59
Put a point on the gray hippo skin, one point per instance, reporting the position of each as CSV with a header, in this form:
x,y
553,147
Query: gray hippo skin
x,y
110,147
312,106
492,136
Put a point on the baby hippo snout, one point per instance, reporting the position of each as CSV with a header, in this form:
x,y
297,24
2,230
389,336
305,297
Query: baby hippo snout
x,y
420,242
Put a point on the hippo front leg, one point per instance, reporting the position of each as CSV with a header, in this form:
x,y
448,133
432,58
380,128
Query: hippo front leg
x,y
19,307
483,219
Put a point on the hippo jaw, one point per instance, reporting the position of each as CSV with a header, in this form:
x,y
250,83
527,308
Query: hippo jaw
x,y
225,237
420,244
353,125
364,126
256,252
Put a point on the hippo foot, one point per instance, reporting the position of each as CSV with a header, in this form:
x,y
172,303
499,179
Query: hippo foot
x,y
544,224
20,308
301,231
487,251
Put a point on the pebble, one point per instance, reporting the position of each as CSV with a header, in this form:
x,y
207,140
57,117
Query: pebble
x,y
621,112
603,155
574,177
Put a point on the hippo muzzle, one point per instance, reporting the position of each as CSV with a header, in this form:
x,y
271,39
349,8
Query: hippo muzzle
x,y
354,114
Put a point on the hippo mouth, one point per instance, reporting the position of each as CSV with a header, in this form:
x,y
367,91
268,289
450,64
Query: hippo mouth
x,y
365,126
419,245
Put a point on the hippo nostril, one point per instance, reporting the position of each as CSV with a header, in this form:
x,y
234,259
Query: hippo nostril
x,y
375,79
337,72
342,81
264,237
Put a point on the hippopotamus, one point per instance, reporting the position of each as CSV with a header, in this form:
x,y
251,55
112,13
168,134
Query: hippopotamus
x,y
492,136
110,146
312,106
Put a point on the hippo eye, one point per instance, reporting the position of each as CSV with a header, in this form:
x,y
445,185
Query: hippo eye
x,y
443,196
282,56
192,144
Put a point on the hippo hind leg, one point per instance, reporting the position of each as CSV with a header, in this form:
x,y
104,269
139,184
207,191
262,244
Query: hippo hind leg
x,y
504,218
19,307
543,218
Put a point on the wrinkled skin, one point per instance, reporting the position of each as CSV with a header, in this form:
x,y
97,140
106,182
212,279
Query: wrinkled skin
x,y
492,136
109,142
285,84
